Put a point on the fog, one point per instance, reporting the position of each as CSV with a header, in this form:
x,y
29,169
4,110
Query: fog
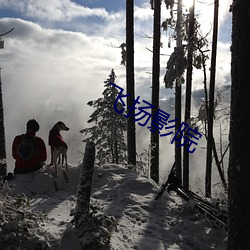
x,y
51,69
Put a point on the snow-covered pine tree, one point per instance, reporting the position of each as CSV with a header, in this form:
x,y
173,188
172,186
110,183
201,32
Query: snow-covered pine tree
x,y
109,128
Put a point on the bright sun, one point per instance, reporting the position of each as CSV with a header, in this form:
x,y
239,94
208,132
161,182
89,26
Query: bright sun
x,y
187,3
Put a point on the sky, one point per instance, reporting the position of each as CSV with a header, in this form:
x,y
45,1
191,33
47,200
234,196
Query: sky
x,y
60,52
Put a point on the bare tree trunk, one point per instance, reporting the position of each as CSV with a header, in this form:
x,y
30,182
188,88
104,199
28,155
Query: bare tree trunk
x,y
3,162
239,159
131,132
93,229
81,215
216,158
188,93
154,168
211,102
116,152
178,97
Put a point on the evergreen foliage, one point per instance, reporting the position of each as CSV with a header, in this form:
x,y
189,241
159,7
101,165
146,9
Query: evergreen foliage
x,y
109,128
177,62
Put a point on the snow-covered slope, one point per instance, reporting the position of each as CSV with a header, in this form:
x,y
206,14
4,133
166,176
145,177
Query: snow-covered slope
x,y
141,221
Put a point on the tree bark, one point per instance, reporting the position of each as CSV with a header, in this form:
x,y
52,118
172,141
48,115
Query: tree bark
x,y
188,93
211,102
154,168
239,159
3,161
83,192
131,132
217,162
93,229
178,156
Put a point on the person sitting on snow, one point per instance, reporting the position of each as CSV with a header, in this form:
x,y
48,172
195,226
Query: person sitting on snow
x,y
29,150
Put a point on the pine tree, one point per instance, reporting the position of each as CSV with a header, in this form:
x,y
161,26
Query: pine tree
x,y
188,53
109,128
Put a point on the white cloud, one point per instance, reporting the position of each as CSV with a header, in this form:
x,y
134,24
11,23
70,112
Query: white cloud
x,y
205,12
45,68
46,71
143,13
53,10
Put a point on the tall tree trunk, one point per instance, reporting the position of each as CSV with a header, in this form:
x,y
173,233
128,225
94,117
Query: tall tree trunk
x,y
116,152
3,161
154,168
211,102
239,159
116,142
178,97
131,133
188,92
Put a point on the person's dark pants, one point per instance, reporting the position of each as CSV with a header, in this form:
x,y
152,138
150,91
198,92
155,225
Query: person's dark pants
x,y
25,171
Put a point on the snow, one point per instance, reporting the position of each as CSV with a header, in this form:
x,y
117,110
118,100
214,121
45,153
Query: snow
x,y
141,221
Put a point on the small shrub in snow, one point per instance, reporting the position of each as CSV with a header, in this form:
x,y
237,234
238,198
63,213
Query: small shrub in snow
x,y
20,228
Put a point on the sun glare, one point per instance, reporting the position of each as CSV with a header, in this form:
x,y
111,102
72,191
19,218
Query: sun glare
x,y
188,3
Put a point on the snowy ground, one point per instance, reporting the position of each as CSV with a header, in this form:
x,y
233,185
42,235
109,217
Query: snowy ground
x,y
142,222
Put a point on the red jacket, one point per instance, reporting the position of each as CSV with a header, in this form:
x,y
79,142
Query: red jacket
x,y
37,159
55,139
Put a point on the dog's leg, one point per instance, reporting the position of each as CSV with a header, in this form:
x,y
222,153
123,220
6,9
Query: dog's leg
x,y
51,155
56,170
55,158
59,159
66,161
63,157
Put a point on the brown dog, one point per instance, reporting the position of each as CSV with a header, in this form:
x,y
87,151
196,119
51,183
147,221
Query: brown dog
x,y
57,145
